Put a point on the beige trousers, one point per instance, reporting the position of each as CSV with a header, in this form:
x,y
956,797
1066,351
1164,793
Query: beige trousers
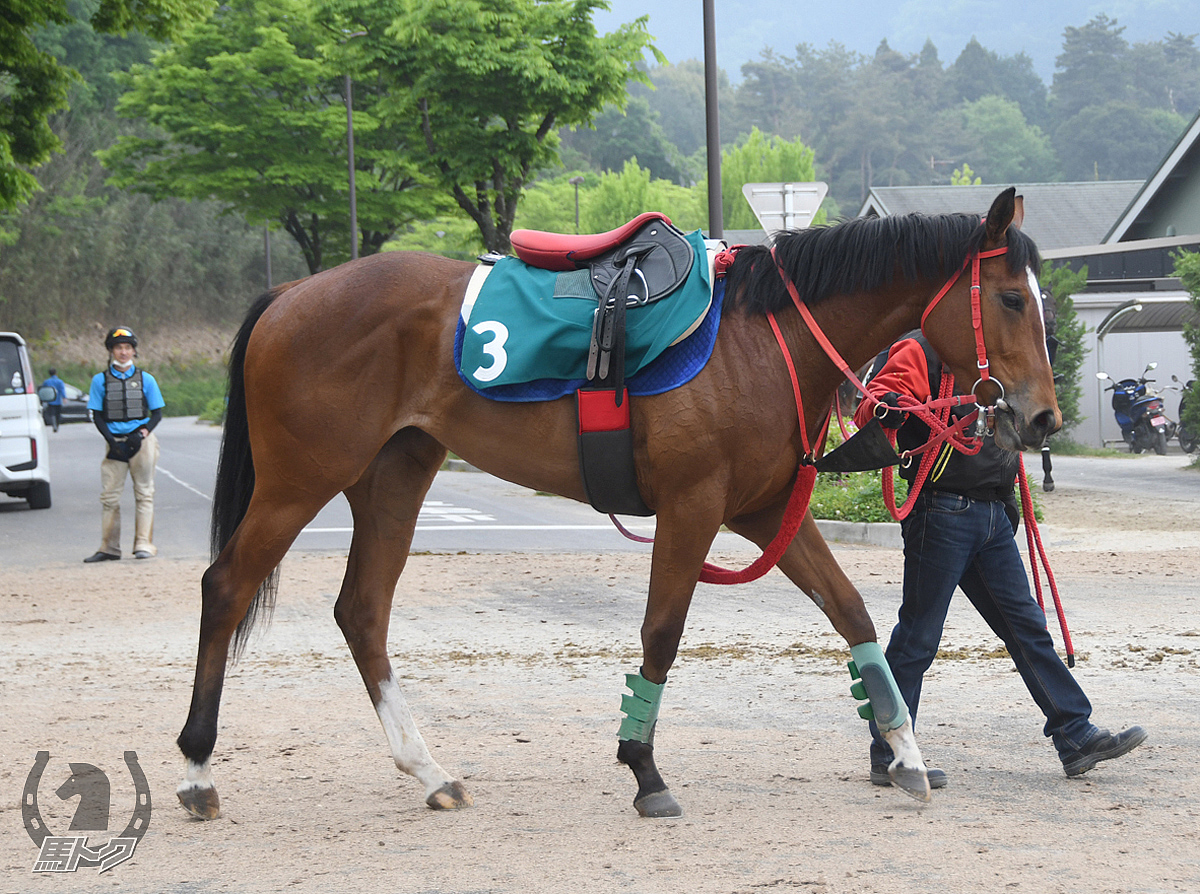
x,y
112,484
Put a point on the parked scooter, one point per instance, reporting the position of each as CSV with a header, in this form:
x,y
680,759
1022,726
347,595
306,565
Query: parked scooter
x,y
1139,411
1188,439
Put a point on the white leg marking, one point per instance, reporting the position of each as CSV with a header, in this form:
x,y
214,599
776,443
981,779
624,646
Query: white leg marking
x,y
908,762
198,776
408,748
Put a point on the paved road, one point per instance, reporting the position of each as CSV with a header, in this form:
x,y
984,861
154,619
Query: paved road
x,y
1146,476
463,511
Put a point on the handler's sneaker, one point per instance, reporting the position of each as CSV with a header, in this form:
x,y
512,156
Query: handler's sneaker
x,y
1101,747
879,776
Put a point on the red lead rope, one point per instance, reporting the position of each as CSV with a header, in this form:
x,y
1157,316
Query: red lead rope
x,y
1032,536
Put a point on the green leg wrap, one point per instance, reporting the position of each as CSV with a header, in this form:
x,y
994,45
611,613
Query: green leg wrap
x,y
886,706
640,709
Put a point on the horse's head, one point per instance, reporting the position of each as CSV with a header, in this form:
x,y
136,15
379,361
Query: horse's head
x,y
1014,374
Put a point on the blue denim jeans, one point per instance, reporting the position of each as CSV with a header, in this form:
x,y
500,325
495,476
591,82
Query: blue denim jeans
x,y
953,541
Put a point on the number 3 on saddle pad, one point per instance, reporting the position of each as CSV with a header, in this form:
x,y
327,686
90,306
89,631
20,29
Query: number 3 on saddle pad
x,y
522,323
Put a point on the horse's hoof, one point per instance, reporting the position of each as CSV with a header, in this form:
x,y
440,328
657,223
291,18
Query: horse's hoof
x,y
911,781
658,804
450,796
201,803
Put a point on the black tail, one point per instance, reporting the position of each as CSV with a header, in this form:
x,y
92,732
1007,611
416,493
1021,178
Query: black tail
x,y
235,474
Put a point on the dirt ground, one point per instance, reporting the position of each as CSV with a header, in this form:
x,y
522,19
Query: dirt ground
x,y
513,666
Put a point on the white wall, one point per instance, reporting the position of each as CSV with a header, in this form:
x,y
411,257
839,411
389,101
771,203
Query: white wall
x,y
1125,356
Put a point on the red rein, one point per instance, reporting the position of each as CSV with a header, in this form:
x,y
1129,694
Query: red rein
x,y
934,413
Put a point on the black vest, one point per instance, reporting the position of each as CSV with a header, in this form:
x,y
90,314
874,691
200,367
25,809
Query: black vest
x,y
124,399
988,475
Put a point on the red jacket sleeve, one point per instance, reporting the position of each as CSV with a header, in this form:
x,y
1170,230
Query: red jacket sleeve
x,y
905,372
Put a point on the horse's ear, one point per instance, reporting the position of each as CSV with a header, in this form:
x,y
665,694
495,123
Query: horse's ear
x,y
1018,211
1008,208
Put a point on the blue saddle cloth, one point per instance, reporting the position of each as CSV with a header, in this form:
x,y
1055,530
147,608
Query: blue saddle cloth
x,y
676,365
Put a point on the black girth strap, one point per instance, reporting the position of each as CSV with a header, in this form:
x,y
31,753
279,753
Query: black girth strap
x,y
606,453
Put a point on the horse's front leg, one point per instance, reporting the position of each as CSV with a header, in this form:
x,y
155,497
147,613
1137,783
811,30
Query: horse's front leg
x,y
681,542
811,566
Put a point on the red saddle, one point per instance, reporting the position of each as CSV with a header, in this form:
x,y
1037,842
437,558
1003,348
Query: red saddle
x,y
561,251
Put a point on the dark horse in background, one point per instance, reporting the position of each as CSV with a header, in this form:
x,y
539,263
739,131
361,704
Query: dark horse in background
x,y
344,382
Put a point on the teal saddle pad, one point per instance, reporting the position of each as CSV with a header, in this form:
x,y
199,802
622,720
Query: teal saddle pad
x,y
528,324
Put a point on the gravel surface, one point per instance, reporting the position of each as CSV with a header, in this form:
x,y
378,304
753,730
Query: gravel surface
x,y
513,667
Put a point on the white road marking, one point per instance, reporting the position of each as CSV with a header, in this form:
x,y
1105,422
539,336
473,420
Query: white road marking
x,y
183,483
441,511
607,527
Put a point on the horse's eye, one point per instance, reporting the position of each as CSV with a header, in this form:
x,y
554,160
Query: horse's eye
x,y
1013,300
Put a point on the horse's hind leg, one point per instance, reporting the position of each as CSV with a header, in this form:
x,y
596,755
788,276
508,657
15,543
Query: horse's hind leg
x,y
385,502
228,588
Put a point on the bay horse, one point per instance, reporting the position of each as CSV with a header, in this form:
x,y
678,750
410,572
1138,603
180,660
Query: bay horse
x,y
344,382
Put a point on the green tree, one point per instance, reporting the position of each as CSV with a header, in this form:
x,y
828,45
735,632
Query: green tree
x,y
98,58
1000,144
619,135
549,203
769,96
489,84
979,72
883,137
826,79
1116,141
760,159
249,110
678,98
621,196
34,84
964,176
1063,282
1187,268
1166,74
1091,69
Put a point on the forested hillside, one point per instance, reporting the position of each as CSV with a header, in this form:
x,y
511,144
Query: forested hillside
x,y
169,247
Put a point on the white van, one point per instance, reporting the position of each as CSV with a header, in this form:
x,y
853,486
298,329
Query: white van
x,y
24,449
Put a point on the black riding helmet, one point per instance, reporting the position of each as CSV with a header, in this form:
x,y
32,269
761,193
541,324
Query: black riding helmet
x,y
119,334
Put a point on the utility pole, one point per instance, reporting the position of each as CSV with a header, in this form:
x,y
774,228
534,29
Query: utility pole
x,y
716,214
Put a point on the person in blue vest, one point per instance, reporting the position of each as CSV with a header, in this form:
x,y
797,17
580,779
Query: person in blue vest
x,y
54,407
126,405
960,534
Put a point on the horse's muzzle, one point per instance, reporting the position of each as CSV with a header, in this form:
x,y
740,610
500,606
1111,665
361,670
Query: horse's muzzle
x,y
1015,431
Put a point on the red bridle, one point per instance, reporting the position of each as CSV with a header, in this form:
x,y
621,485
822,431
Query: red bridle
x,y
941,431
933,412
976,316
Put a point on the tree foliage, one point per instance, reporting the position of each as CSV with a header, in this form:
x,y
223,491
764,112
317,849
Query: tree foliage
x,y
122,256
760,159
34,84
621,196
618,135
1187,268
249,109
1063,282
487,85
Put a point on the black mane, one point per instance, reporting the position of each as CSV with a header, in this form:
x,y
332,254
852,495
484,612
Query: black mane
x,y
863,254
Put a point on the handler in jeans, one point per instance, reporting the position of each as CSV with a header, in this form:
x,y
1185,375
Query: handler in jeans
x,y
960,533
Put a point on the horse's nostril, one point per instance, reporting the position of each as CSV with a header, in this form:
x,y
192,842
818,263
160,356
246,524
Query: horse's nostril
x,y
1045,423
